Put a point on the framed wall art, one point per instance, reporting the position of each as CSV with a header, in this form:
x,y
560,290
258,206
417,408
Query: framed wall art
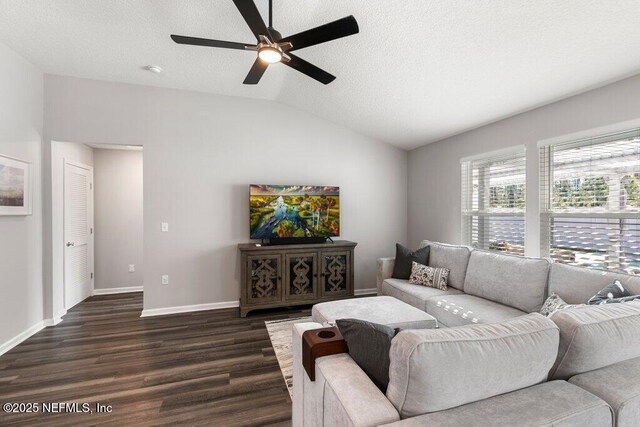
x,y
15,186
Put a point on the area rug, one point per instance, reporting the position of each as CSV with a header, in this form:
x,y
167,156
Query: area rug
x,y
280,335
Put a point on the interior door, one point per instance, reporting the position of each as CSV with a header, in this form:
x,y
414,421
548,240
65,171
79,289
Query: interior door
x,y
78,231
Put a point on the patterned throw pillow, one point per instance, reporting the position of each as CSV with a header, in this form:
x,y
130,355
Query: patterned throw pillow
x,y
553,303
429,276
613,293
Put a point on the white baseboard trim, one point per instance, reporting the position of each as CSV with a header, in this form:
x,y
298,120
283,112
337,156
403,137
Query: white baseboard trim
x,y
56,319
368,291
188,308
8,345
111,291
4,347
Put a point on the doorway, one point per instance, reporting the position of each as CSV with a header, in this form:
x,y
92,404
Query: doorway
x,y
97,222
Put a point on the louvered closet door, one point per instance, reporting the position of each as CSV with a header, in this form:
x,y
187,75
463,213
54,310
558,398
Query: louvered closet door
x,y
78,248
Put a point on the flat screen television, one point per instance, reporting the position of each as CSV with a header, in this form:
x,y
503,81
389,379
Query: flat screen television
x,y
294,213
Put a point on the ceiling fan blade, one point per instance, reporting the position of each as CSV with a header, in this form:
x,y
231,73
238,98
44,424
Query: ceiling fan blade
x,y
250,13
211,43
334,30
309,69
256,72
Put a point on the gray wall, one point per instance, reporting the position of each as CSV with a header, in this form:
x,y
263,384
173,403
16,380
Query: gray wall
x,y
200,153
434,170
21,97
117,202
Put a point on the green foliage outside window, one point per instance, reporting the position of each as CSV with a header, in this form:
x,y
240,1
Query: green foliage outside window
x,y
507,196
632,185
580,193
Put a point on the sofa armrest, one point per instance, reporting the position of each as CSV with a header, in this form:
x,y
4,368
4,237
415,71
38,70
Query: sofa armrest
x,y
384,271
350,398
300,379
341,395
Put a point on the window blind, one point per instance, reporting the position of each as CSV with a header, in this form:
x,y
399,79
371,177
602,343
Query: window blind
x,y
590,202
493,202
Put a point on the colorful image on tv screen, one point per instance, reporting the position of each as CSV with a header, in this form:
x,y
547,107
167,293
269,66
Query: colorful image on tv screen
x,y
290,211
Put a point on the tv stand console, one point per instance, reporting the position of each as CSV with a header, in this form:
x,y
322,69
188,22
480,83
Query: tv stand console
x,y
289,275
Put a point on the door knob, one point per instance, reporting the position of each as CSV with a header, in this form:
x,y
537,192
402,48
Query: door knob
x,y
70,244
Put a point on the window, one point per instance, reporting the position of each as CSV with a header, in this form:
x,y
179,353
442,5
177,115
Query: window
x,y
493,201
590,202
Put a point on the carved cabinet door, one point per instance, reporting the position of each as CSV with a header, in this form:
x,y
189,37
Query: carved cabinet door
x,y
301,276
264,278
336,273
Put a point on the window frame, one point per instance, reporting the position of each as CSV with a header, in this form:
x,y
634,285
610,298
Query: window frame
x,y
484,214
548,213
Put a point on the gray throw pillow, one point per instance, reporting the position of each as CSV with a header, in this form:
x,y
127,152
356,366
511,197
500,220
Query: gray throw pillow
x,y
613,293
405,258
369,345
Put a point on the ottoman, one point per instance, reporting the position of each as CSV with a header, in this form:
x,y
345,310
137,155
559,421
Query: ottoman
x,y
384,310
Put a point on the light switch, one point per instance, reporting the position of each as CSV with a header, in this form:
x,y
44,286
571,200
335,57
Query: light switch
x,y
132,268
165,226
165,279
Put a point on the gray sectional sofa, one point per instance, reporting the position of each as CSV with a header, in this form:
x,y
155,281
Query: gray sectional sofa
x,y
494,361
487,287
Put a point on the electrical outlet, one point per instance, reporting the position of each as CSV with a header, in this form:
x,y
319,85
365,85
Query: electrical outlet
x,y
164,227
132,268
165,279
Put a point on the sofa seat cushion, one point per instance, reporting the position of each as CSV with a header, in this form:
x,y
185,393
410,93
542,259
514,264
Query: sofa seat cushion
x,y
416,295
511,280
436,369
460,310
455,258
555,403
383,310
595,336
619,386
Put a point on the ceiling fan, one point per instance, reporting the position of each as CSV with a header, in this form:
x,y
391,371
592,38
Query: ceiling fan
x,y
272,47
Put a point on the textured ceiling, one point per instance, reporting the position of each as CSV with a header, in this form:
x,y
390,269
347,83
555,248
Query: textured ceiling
x,y
419,70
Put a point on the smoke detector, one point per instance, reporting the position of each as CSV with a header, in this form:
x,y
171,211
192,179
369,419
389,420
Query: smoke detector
x,y
154,69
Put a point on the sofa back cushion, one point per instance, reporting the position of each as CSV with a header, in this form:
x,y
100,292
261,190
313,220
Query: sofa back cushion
x,y
592,337
436,369
511,280
576,285
453,257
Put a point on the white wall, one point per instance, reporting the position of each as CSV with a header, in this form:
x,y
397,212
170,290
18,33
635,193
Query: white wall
x,y
434,197
200,153
21,98
118,218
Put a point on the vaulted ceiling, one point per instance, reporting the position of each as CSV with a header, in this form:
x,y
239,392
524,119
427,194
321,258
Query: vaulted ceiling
x,y
418,71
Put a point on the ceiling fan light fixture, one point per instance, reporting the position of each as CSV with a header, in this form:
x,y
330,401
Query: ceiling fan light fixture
x,y
270,55
271,47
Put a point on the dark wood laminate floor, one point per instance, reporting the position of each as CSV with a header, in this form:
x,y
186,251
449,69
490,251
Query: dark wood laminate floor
x,y
205,368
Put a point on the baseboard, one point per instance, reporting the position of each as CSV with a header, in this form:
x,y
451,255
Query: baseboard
x,y
188,308
8,345
111,291
56,319
368,291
